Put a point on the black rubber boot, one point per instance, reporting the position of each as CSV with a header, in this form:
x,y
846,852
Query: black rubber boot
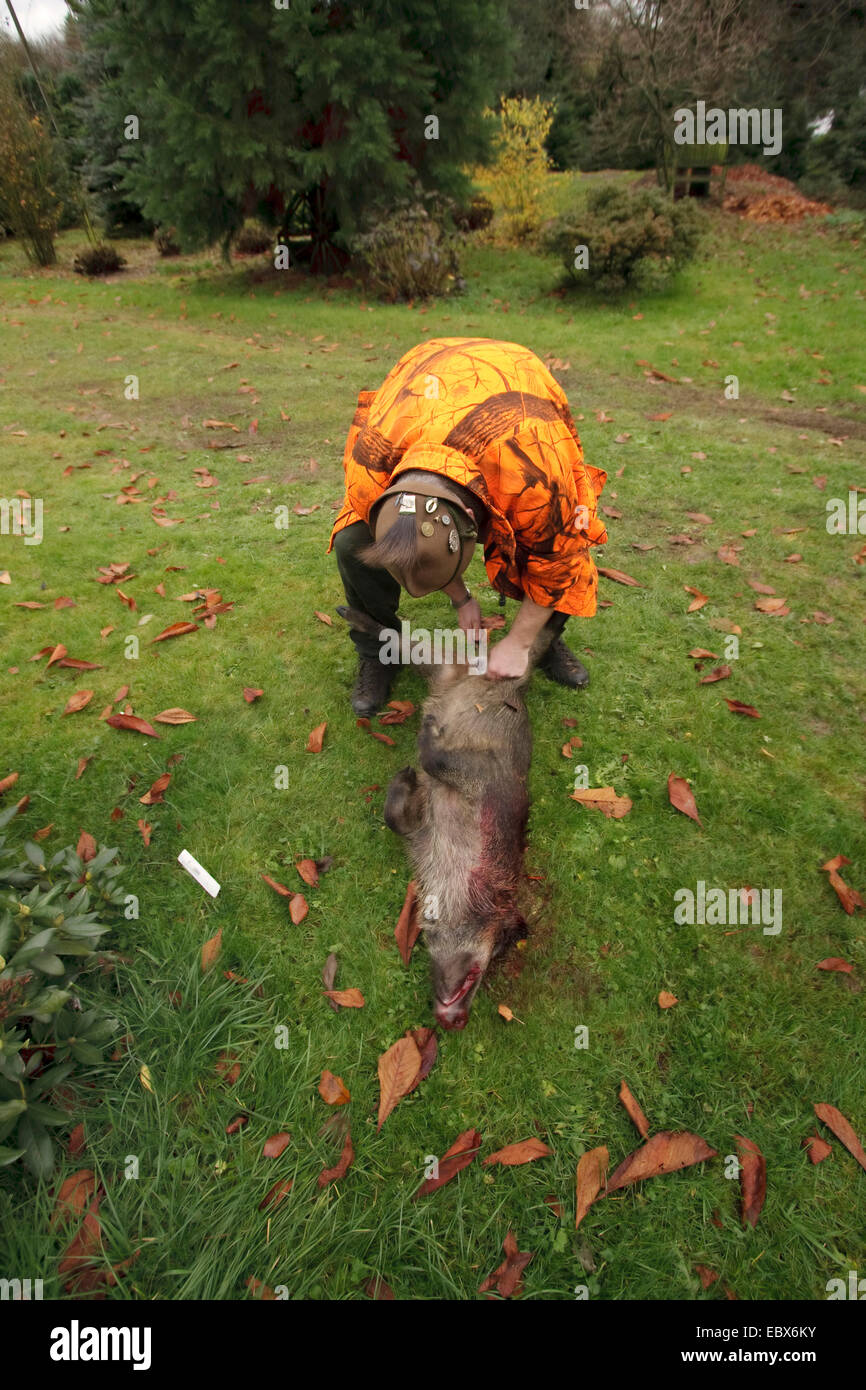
x,y
562,666
372,687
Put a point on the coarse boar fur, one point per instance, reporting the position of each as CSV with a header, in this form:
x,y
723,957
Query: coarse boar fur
x,y
463,814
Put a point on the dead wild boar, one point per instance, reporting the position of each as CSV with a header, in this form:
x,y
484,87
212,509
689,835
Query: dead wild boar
x,y
463,815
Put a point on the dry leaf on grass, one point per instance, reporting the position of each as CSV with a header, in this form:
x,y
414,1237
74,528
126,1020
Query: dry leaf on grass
x,y
604,799
132,721
308,871
633,1110
514,1154
211,949
347,998
682,797
843,1130
591,1174
737,707
817,1148
78,701
848,897
73,1196
398,1069
275,1144
506,1279
344,1163
699,599
276,1194
333,1089
619,577
753,1180
408,928
174,630
720,673
458,1157
316,739
175,716
666,1152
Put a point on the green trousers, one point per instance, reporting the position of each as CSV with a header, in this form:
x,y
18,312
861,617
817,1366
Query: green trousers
x,y
375,592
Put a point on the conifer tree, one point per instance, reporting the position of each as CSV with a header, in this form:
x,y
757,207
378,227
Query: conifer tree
x,y
215,107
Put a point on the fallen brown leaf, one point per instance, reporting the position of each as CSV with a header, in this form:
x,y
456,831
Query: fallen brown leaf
x,y
848,897
666,1152
458,1157
817,1148
619,577
344,1163
506,1279
333,1089
604,799
514,1154
737,707
347,998
398,1069
408,928
591,1174
682,797
844,1132
316,739
132,721
753,1180
211,949
633,1110
78,701
276,1144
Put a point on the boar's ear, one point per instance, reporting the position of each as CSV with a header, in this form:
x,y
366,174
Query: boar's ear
x,y
514,928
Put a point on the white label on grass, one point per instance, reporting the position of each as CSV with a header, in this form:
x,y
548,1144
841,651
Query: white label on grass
x,y
192,866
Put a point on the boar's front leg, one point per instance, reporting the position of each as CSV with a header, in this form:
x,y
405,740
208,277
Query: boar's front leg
x,y
404,802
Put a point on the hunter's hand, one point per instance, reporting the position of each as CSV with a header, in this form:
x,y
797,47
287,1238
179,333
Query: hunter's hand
x,y
469,616
507,658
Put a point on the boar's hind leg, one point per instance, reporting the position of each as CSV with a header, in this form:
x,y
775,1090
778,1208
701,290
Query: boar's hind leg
x,y
404,802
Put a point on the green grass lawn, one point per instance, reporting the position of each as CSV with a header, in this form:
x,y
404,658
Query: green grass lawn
x,y
758,1034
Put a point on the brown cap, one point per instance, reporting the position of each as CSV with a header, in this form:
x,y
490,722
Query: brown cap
x,y
446,534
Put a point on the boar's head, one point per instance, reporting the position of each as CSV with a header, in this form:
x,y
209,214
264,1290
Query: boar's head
x,y
459,958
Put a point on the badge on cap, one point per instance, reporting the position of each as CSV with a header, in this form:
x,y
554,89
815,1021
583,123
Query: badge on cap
x,y
452,541
427,528
445,519
431,504
407,502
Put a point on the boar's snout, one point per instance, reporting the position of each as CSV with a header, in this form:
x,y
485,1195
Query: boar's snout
x,y
453,1019
454,984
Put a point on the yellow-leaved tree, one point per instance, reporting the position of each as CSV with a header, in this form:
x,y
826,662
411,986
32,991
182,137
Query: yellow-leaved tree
x,y
517,182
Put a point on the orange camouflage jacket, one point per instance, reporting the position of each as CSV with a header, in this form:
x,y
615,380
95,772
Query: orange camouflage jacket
x,y
488,415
